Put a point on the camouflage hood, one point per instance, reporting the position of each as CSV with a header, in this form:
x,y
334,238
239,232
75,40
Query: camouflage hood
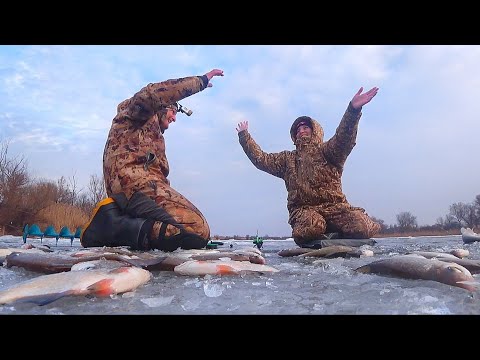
x,y
160,113
317,130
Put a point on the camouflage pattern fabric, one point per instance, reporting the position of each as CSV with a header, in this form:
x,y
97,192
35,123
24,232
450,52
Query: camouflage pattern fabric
x,y
134,158
312,175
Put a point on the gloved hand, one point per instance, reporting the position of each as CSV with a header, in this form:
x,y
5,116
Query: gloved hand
x,y
185,240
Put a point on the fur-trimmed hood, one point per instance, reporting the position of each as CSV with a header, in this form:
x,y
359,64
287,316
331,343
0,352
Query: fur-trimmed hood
x,y
317,130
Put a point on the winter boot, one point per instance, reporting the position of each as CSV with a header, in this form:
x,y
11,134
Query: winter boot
x,y
110,226
141,206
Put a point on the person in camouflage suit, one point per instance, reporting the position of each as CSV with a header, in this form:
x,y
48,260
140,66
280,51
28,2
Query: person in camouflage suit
x,y
312,175
144,210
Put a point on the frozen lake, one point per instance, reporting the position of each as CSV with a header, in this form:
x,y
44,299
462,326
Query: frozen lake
x,y
302,286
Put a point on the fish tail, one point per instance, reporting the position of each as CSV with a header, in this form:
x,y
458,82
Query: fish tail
x,y
42,299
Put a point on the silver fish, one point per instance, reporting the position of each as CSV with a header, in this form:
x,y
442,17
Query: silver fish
x,y
45,289
221,267
460,253
56,262
434,254
418,267
338,251
202,254
5,252
293,252
103,264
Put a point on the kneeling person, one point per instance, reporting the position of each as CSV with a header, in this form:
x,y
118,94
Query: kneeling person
x,y
143,211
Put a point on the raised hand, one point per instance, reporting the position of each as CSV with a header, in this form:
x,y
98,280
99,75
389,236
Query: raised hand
x,y
243,125
361,99
211,74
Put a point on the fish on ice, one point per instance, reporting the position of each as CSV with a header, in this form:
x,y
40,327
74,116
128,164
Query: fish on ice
x,y
45,289
221,267
418,267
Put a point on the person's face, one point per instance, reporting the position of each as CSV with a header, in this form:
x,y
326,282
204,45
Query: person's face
x,y
303,131
169,117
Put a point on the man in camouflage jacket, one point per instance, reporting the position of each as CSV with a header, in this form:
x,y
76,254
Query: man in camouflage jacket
x,y
148,213
312,175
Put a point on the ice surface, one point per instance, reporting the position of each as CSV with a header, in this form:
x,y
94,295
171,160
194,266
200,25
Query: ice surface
x,y
302,286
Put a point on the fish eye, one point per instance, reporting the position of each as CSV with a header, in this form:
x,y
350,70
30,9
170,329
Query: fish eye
x,y
454,269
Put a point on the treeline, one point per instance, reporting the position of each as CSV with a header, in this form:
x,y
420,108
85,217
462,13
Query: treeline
x,y
25,200
459,215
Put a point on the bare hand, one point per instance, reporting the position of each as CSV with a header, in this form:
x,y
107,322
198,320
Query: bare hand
x,y
211,74
243,125
361,99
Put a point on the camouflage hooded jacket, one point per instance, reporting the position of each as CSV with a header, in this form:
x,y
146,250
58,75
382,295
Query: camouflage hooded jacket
x,y
312,173
134,155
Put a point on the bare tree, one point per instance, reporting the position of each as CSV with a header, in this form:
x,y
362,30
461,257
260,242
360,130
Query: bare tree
x,y
95,193
40,194
471,217
96,188
64,196
72,188
84,202
465,214
440,222
458,210
13,178
13,171
381,222
477,205
448,223
406,221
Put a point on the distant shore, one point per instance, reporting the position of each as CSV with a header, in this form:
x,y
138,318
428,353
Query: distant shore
x,y
380,235
419,233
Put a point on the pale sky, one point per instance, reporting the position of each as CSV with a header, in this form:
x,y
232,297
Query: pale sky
x,y
417,143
